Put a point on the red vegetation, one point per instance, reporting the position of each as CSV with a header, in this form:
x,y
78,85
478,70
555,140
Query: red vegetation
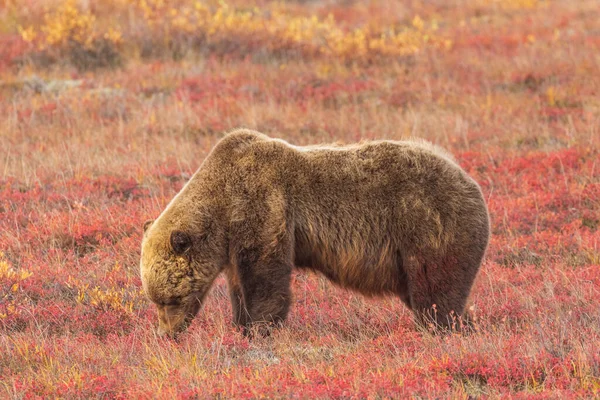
x,y
87,157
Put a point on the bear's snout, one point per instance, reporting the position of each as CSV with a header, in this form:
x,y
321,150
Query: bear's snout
x,y
173,320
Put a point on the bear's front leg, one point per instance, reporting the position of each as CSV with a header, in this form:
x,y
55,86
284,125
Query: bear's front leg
x,y
238,308
265,281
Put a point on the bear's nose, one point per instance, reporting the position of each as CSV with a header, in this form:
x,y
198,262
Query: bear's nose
x,y
161,331
164,333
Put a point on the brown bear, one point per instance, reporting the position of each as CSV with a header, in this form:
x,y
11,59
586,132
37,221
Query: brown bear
x,y
379,217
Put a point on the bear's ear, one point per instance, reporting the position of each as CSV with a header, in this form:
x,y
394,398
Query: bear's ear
x,y
147,224
180,242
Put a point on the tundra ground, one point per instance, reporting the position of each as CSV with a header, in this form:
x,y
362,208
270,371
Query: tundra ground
x,y
107,108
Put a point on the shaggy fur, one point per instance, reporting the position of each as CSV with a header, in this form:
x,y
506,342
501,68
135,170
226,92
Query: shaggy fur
x,y
380,217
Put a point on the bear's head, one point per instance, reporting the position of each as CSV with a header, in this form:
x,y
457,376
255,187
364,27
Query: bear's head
x,y
179,262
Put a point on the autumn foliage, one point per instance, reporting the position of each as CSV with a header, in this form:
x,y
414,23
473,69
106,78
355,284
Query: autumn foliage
x,y
108,107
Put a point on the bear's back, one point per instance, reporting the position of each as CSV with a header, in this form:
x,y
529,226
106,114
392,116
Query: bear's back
x,y
407,178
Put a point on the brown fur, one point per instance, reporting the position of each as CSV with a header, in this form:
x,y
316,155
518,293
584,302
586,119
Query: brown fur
x,y
381,217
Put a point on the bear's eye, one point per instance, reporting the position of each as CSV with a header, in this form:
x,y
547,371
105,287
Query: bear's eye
x,y
181,242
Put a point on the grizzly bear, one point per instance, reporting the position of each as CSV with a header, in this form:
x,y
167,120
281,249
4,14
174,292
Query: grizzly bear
x,y
378,217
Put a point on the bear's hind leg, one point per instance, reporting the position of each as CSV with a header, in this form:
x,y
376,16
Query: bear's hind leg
x,y
402,284
438,293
